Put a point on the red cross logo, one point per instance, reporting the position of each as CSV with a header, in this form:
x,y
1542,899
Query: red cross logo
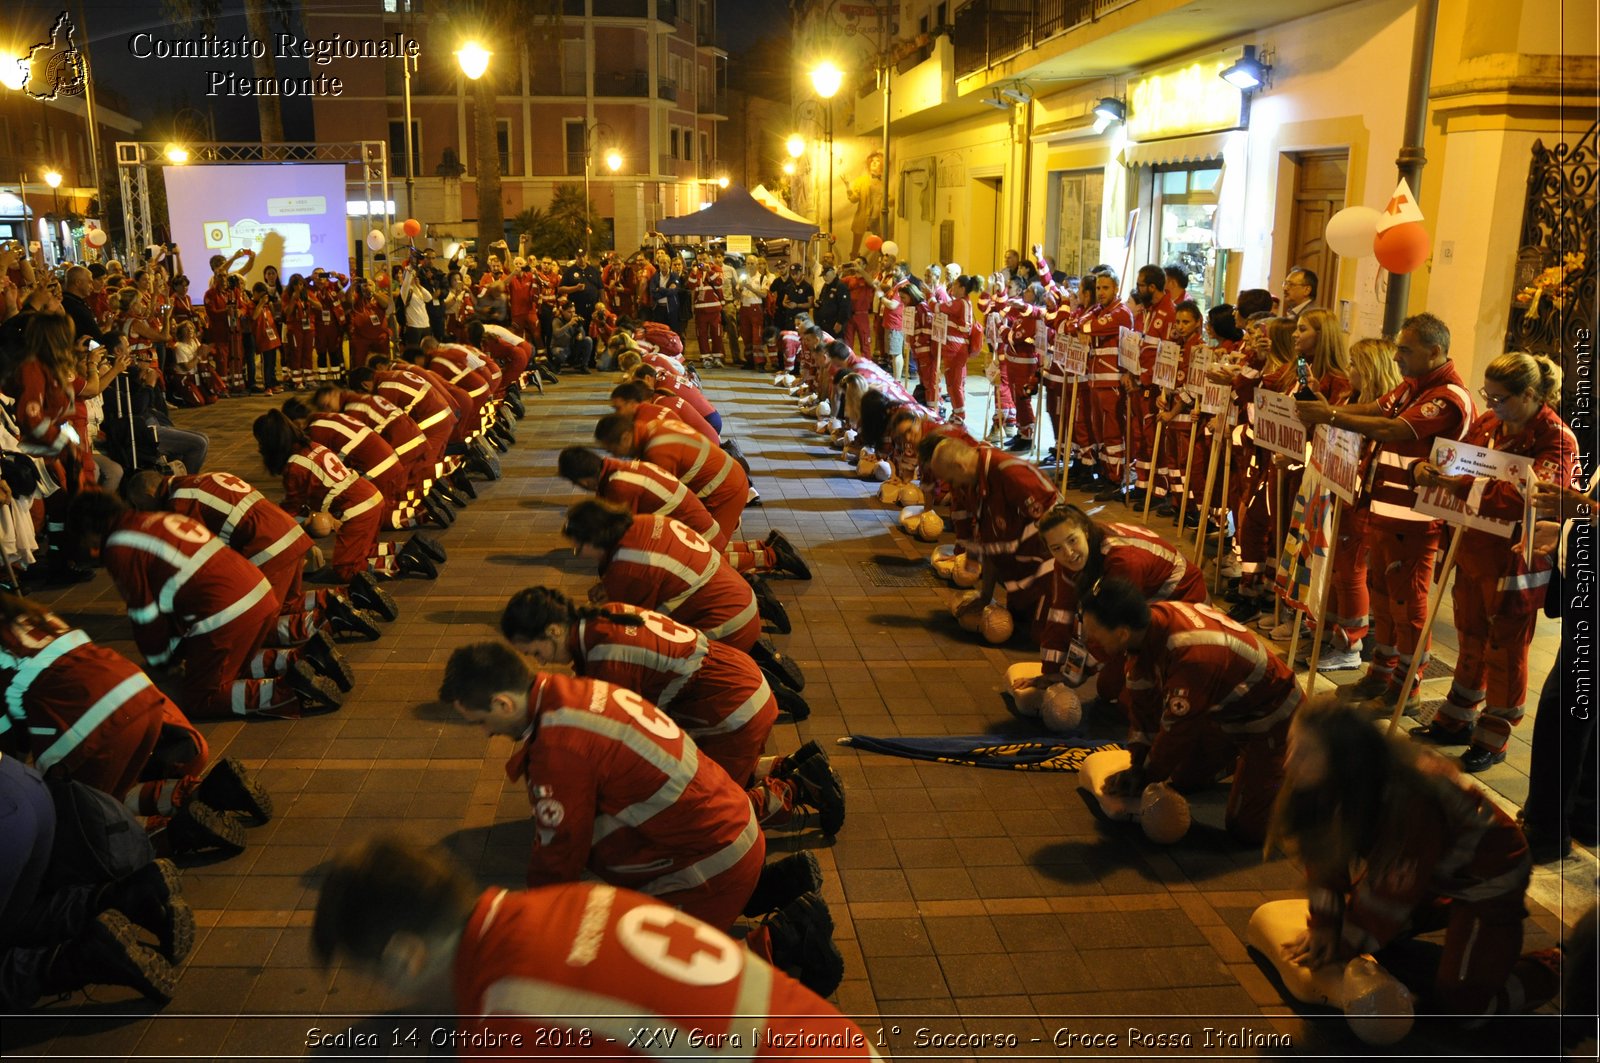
x,y
670,943
1395,203
682,941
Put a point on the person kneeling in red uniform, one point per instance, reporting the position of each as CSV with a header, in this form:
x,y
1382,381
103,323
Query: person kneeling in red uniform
x,y
621,793
199,607
520,966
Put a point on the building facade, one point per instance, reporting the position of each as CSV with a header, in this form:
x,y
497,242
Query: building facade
x,y
641,77
995,143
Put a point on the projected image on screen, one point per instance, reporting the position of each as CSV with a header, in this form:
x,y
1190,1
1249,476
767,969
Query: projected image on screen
x,y
216,210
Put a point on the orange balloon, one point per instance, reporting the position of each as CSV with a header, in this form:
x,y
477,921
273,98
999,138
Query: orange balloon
x,y
1402,248
873,242
412,227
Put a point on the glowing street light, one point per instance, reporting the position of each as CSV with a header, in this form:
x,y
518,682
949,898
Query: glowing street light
x,y
52,179
474,59
796,145
177,154
613,160
788,169
826,79
13,73
722,182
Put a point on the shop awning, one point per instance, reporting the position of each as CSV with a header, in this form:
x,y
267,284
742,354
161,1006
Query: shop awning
x,y
1177,150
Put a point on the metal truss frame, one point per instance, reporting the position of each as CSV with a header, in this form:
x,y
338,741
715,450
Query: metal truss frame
x,y
136,158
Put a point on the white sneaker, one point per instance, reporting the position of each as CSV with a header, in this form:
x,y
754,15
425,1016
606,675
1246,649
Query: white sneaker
x,y
1231,569
1282,632
1267,623
1339,660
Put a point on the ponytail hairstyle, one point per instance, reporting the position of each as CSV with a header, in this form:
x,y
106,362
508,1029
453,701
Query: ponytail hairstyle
x,y
593,522
1093,531
277,438
1517,372
531,611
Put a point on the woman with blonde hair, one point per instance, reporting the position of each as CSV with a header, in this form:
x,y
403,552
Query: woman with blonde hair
x,y
1321,342
1372,372
1498,592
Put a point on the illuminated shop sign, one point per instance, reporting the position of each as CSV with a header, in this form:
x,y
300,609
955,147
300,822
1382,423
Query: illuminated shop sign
x,y
1185,100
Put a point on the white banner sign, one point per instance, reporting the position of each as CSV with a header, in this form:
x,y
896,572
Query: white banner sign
x,y
1463,507
1128,342
1165,373
1277,425
1336,455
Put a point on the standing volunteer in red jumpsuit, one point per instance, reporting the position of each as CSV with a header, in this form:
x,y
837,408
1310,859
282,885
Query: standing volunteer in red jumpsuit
x,y
707,470
328,319
1430,403
299,326
324,491
369,324
199,606
620,792
996,500
1028,332
270,539
858,330
657,563
1497,594
1085,552
713,691
705,289
87,712
1154,324
1395,843
953,336
1206,694
521,967
1102,325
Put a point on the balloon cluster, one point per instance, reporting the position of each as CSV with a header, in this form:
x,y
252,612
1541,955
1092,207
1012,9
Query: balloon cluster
x,y
95,237
1394,235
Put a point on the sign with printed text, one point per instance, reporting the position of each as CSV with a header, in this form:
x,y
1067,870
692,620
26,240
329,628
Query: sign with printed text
x,y
1486,467
1215,398
1165,372
1336,456
1077,358
1128,343
941,327
1277,426
1194,379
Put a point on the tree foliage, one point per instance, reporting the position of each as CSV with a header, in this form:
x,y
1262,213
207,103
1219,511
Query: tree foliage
x,y
262,18
558,231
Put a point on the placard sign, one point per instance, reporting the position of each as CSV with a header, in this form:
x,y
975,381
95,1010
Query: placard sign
x,y
1485,466
1077,357
941,327
1194,378
1165,373
1336,455
1128,342
1277,425
1214,397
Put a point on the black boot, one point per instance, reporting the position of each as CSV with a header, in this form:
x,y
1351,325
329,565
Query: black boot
x,y
152,897
460,481
230,787
430,547
802,944
197,827
771,659
783,882
345,618
109,952
789,700
325,657
365,592
413,562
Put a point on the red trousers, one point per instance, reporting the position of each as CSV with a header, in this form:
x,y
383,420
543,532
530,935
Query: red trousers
x,y
1351,603
1399,574
217,680
362,348
302,354
858,333
1141,433
356,545
330,344
1020,376
1005,401
708,330
1175,473
752,320
726,505
738,751
1494,624
720,900
955,377
1257,762
1105,425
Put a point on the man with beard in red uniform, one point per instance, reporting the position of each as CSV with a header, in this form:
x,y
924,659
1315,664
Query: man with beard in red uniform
x,y
1102,325
525,964
1207,695
996,500
622,793
270,539
198,606
715,692
1430,403
657,563
1154,323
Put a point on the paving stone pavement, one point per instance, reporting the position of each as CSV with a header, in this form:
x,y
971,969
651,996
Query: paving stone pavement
x,y
967,901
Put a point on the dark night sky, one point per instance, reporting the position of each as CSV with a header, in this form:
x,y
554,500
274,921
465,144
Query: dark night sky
x,y
156,88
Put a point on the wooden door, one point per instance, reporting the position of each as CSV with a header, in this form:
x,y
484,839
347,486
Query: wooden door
x,y
1320,178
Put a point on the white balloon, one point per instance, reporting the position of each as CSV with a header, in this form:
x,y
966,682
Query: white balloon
x,y
952,271
891,248
376,240
1349,233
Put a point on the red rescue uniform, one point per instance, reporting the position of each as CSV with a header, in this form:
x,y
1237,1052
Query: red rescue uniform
x,y
663,565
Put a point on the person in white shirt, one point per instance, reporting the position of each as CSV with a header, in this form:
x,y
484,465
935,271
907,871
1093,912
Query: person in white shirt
x,y
753,285
415,297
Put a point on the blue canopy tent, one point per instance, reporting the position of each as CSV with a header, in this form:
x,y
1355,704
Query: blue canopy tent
x,y
737,213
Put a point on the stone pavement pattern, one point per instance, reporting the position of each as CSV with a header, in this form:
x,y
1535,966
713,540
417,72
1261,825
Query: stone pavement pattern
x,y
965,899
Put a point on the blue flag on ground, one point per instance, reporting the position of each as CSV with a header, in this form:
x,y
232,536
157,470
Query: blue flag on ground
x,y
987,751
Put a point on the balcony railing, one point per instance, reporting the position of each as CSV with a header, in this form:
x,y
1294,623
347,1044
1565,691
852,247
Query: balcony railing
x,y
989,31
574,164
622,83
667,11
667,89
622,8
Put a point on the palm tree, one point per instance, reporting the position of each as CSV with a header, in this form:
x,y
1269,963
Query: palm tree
x,y
262,18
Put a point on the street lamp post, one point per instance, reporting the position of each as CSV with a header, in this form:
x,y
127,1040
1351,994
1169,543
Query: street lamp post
x,y
53,179
826,79
613,161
